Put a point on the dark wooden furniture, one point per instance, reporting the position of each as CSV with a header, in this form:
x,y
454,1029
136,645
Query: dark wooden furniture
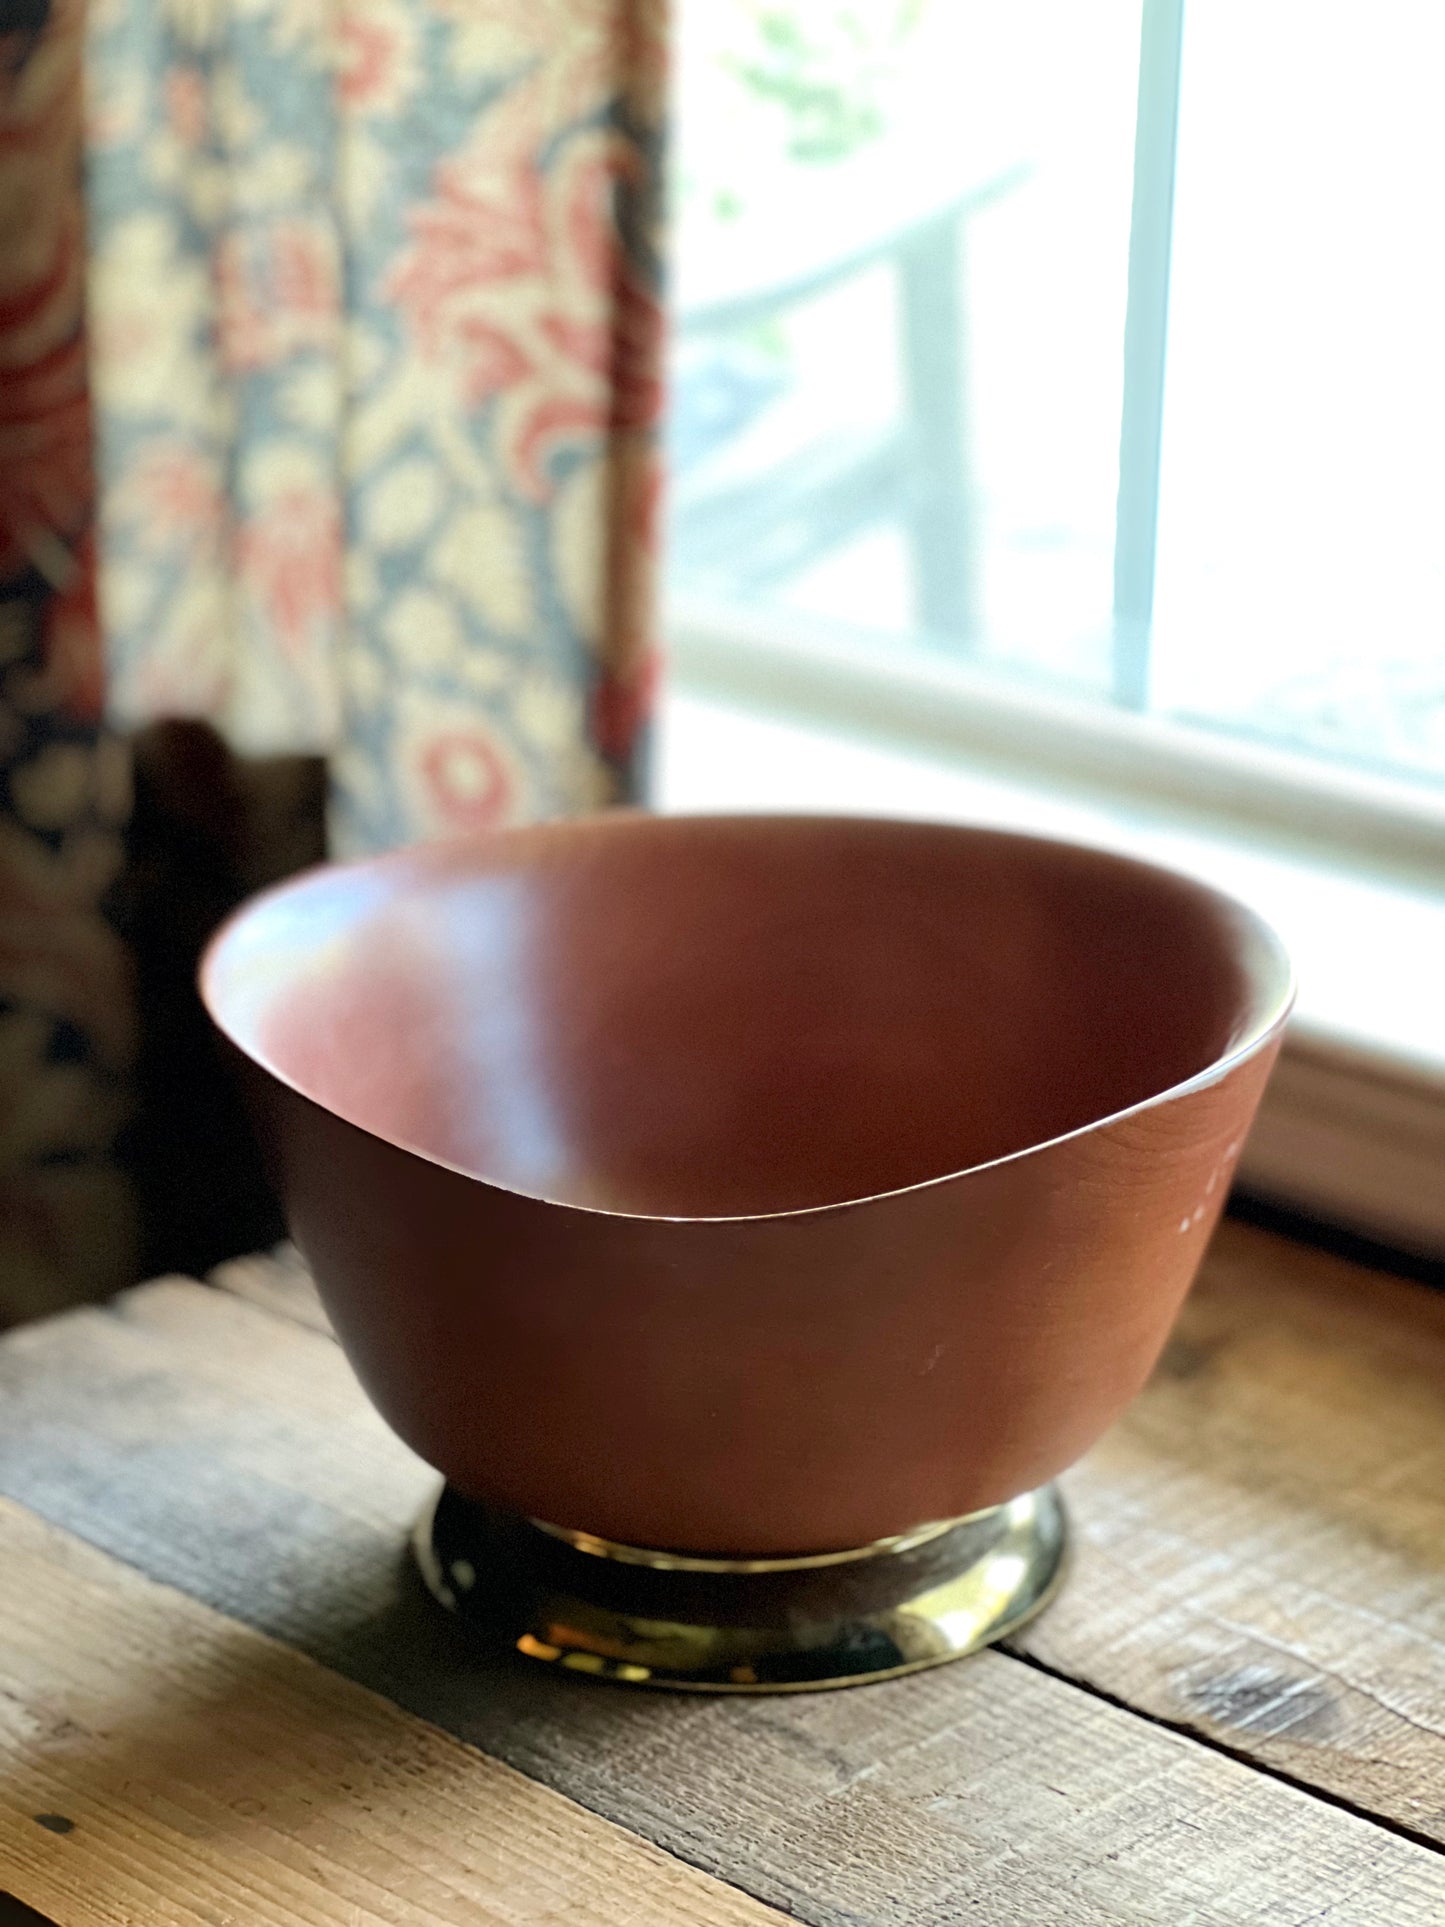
x,y
223,1696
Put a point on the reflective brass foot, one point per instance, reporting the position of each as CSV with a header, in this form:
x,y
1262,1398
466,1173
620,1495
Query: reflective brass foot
x,y
743,1626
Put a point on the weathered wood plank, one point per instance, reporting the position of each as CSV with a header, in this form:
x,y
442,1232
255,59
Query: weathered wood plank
x,y
1261,1542
278,1281
229,1453
165,1764
1261,1554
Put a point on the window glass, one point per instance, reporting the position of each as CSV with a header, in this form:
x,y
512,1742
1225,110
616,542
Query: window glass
x,y
902,299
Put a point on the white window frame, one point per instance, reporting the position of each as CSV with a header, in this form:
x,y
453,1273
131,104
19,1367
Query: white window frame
x,y
847,680
1352,1129
1353,1125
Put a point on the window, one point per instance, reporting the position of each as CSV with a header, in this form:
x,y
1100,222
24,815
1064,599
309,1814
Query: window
x,y
902,254
1058,403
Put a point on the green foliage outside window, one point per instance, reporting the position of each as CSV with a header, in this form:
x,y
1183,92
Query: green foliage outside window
x,y
824,66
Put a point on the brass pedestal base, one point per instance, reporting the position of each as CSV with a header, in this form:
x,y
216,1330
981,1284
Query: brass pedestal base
x,y
743,1625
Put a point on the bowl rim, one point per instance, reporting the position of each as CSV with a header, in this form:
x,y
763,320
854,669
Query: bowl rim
x,y
1257,1036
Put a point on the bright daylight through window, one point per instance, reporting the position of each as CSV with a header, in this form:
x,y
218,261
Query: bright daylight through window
x,y
902,399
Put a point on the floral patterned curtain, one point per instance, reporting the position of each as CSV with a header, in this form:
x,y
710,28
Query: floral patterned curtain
x,y
66,1016
368,292
377,370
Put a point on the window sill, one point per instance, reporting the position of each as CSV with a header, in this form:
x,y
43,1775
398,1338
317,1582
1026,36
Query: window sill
x,y
1353,1126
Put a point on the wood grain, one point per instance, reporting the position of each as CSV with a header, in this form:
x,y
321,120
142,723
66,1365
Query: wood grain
x,y
229,1453
1261,1553
1260,1545
164,1764
278,1281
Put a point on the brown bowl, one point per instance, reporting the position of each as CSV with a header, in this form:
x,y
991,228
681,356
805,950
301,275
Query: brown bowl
x,y
752,1186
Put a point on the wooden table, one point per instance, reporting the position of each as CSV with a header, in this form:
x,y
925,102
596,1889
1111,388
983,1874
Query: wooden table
x,y
223,1698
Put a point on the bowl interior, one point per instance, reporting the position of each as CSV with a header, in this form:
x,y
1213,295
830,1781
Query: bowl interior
x,y
732,1016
